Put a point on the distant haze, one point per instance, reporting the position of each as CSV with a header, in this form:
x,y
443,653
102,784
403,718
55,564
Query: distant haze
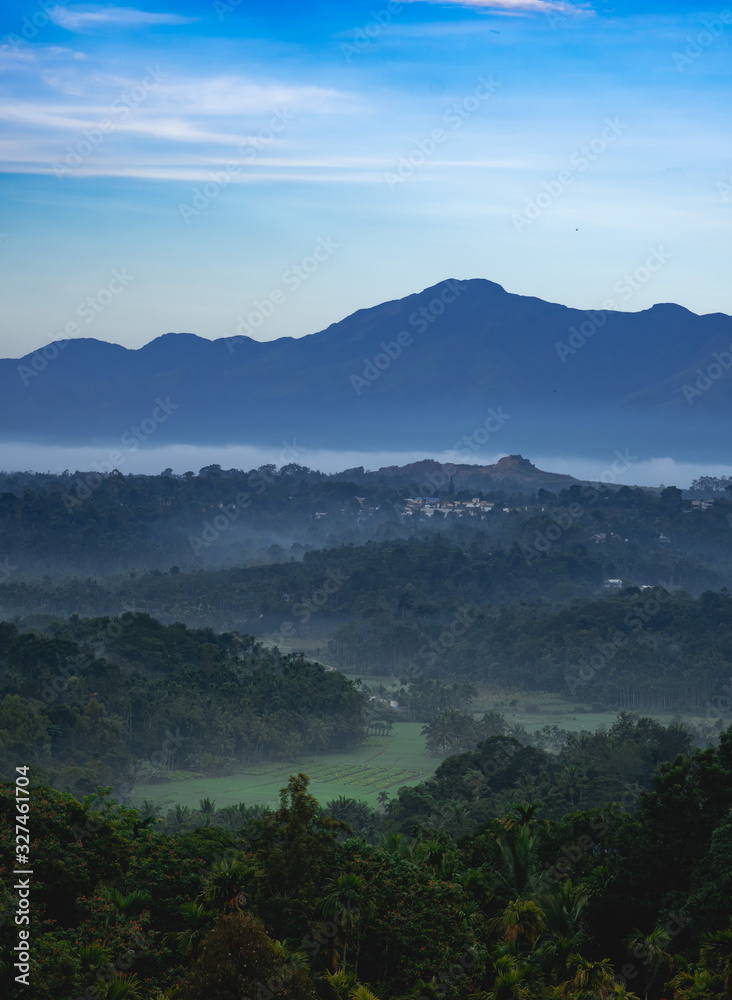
x,y
462,366
184,458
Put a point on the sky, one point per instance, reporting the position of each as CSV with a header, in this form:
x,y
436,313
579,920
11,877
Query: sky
x,y
181,159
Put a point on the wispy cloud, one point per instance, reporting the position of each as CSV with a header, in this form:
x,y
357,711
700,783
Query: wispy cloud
x,y
86,16
515,6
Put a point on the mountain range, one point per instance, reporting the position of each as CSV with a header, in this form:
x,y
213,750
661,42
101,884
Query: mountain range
x,y
463,366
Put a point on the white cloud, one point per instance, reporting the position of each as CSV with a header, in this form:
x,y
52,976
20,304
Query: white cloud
x,y
515,6
86,16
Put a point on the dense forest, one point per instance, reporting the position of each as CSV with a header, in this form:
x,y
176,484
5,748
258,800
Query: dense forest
x,y
112,701
105,524
145,622
428,607
625,899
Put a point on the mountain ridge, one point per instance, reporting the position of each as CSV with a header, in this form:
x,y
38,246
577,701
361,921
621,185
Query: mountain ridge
x,y
421,372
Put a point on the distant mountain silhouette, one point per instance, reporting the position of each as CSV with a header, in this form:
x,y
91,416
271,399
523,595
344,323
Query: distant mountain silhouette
x,y
462,366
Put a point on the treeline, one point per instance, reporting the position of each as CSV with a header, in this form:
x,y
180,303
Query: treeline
x,y
639,649
620,901
104,524
427,576
426,607
489,766
112,701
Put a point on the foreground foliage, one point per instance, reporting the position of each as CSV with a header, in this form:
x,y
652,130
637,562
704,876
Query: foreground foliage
x,y
608,902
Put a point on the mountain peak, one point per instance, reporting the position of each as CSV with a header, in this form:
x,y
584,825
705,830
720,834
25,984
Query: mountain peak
x,y
511,463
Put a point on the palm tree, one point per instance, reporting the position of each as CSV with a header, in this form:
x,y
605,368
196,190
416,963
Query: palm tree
x,y
178,819
510,981
564,911
492,724
362,993
290,746
123,987
339,984
443,731
699,984
347,902
520,866
206,810
596,978
570,781
564,908
133,901
522,919
357,814
653,950
716,954
292,959
396,843
198,922
259,732
224,888
318,734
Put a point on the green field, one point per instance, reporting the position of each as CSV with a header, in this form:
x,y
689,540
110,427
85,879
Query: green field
x,y
381,764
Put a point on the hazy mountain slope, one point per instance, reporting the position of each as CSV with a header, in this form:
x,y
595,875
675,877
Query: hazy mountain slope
x,y
426,371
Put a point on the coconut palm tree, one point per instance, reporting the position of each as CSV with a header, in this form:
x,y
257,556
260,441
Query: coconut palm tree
x,y
206,810
522,919
510,981
519,869
131,903
596,978
397,843
318,734
653,950
178,818
716,954
348,903
198,921
224,888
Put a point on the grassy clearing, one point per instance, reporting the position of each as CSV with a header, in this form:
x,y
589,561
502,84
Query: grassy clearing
x,y
381,764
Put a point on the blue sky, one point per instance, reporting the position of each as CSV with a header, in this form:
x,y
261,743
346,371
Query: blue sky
x,y
203,149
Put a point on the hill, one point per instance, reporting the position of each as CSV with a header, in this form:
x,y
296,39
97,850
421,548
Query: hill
x,y
463,366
